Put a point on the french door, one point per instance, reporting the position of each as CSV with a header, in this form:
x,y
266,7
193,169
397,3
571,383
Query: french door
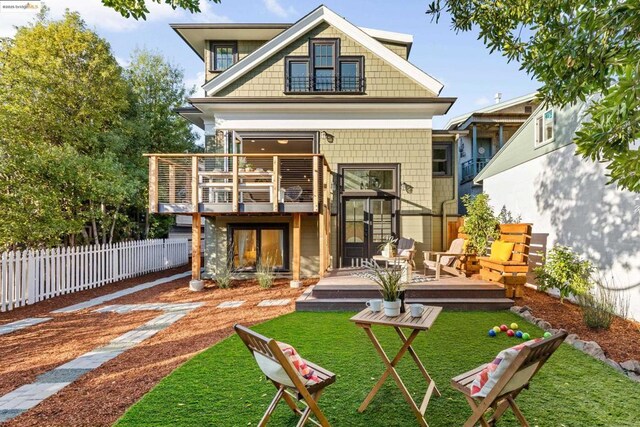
x,y
366,223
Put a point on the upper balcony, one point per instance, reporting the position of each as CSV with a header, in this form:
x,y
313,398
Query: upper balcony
x,y
238,183
471,168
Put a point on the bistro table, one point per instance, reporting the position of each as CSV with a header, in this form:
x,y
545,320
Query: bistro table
x,y
366,319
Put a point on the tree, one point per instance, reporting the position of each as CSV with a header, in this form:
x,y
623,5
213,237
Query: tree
x,y
137,9
580,50
480,223
63,95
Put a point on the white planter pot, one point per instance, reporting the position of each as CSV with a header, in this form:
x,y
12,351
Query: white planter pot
x,y
388,251
391,308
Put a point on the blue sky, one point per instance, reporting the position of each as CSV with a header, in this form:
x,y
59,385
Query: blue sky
x,y
459,61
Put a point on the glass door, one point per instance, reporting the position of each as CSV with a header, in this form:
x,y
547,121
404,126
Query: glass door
x,y
251,244
367,222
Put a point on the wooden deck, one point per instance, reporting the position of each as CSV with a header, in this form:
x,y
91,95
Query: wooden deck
x,y
341,290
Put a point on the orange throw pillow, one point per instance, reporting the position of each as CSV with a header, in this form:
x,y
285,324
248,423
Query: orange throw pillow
x,y
501,251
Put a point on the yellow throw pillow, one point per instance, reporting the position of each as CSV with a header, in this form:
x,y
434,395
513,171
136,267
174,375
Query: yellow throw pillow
x,y
501,251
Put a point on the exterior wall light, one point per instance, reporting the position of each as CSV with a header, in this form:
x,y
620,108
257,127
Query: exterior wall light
x,y
330,138
408,188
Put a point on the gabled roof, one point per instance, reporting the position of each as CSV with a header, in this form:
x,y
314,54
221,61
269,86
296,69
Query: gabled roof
x,y
455,121
307,23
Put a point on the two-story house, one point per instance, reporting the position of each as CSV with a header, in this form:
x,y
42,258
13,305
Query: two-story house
x,y
319,145
482,133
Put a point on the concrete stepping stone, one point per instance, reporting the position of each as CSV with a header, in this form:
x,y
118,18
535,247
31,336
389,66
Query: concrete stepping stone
x,y
230,304
21,324
273,302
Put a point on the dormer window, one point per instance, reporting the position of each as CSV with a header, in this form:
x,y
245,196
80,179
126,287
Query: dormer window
x,y
324,70
223,55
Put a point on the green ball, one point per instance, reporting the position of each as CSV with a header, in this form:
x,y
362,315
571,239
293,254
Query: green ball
x,y
526,336
547,334
496,329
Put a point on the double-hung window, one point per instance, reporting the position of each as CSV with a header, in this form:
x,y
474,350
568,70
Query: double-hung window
x,y
324,65
441,160
544,128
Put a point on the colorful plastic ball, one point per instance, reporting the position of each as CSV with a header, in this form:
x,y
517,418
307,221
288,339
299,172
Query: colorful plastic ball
x,y
526,336
519,334
503,328
547,334
496,329
492,333
514,326
510,332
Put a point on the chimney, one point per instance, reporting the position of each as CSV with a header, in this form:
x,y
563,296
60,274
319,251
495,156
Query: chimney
x,y
498,97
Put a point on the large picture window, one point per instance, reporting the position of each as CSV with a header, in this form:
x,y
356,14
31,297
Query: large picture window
x,y
252,244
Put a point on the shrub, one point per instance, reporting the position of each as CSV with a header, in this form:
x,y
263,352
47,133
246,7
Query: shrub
x,y
388,280
480,223
600,308
566,271
224,278
265,274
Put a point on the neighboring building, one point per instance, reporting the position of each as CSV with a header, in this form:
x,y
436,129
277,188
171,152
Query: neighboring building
x,y
482,133
538,176
317,132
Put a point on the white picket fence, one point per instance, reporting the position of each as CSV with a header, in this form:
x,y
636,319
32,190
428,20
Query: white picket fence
x,y
29,276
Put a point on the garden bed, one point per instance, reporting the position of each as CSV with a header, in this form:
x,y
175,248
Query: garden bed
x,y
621,342
101,396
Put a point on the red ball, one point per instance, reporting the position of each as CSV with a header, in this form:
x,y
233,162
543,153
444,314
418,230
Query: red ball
x,y
510,332
503,328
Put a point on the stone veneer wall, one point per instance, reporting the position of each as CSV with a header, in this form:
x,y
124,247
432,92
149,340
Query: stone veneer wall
x,y
267,79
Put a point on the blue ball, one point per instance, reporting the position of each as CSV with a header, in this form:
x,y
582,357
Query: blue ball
x,y
492,333
519,334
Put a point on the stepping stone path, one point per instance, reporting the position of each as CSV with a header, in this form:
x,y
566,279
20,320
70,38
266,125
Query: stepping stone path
x,y
21,324
101,300
273,302
26,397
230,304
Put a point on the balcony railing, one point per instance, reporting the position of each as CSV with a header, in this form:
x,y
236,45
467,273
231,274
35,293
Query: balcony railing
x,y
227,183
468,172
340,84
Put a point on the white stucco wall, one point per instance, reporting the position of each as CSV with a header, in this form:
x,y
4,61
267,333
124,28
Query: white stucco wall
x,y
567,198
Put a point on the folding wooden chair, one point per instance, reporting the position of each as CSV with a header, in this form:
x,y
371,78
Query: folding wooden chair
x,y
515,379
291,385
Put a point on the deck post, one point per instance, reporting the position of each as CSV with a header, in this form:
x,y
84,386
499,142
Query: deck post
x,y
194,185
316,176
196,284
276,184
235,193
297,220
153,184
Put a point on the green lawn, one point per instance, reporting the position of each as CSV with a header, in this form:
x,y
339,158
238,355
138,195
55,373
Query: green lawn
x,y
223,386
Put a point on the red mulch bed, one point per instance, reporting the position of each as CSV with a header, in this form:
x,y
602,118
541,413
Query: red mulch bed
x,y
621,342
100,397
42,308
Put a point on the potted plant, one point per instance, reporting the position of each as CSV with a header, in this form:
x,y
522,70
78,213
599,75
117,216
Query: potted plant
x,y
389,282
242,163
388,247
248,167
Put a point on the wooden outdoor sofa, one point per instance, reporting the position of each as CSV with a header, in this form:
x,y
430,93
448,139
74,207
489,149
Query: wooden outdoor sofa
x,y
512,273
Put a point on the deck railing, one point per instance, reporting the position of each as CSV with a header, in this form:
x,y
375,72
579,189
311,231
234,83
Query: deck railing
x,y
226,183
468,172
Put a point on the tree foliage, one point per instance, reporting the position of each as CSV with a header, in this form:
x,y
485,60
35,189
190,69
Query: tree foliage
x,y
480,223
73,128
565,271
137,9
577,49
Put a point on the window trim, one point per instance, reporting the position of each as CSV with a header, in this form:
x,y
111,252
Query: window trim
x,y
539,139
448,161
351,59
337,59
213,44
394,167
259,226
287,68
